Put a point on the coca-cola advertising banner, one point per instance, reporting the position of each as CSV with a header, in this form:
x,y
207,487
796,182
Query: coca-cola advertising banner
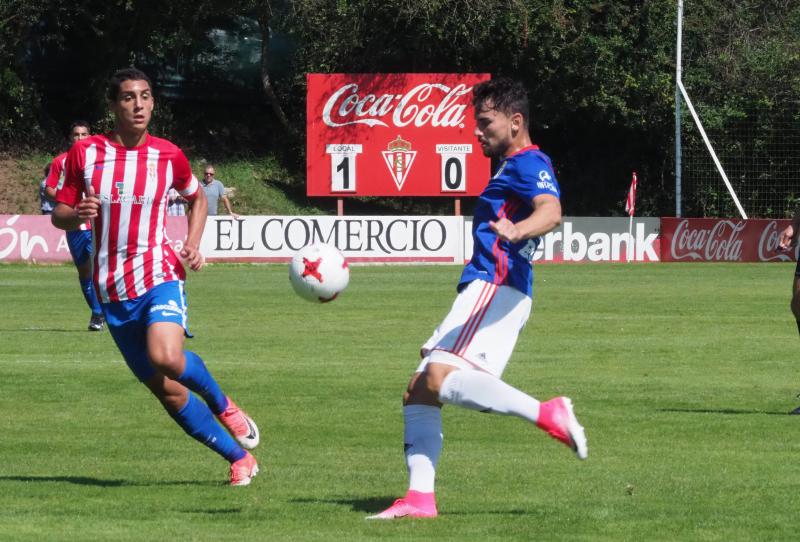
x,y
723,240
393,135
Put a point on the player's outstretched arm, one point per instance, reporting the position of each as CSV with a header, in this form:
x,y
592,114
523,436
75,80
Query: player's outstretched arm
x,y
787,239
227,203
545,217
198,211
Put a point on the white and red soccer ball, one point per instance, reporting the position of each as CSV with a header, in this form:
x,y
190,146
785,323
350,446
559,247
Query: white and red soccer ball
x,y
319,272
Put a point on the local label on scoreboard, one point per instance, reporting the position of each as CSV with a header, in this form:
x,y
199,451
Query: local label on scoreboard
x,y
393,135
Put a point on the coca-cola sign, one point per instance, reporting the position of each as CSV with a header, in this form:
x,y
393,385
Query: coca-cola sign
x,y
393,135
346,106
723,240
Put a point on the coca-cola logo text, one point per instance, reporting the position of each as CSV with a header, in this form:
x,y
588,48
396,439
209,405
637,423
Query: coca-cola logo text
x,y
416,107
721,242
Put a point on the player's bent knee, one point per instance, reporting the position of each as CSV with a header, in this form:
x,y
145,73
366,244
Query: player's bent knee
x,y
436,373
165,348
167,360
424,389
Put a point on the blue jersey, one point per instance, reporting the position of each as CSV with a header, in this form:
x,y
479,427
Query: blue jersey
x,y
519,178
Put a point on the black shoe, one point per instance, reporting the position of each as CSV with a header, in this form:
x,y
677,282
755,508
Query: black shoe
x,y
97,323
797,410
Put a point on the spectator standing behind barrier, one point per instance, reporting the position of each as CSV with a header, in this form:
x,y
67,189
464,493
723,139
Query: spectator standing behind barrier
x,y
175,203
215,191
44,203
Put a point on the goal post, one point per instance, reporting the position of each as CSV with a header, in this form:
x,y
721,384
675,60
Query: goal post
x,y
681,91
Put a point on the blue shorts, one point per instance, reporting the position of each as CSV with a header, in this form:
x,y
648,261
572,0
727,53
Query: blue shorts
x,y
128,322
80,245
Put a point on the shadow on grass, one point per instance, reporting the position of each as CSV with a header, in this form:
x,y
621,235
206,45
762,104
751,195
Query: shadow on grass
x,y
373,505
367,504
213,511
42,329
99,482
723,411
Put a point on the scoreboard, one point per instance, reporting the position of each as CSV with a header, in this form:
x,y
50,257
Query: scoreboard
x,y
394,134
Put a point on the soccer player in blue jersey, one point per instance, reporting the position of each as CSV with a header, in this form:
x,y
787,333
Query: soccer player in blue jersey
x,y
464,359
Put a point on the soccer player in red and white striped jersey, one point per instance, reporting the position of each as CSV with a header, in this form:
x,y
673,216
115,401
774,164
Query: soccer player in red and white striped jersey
x,y
79,241
120,181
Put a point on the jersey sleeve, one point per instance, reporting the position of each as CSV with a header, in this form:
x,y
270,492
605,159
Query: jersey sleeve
x,y
534,178
183,180
72,190
54,175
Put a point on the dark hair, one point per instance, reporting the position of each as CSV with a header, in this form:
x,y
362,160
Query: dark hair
x,y
504,95
125,74
80,122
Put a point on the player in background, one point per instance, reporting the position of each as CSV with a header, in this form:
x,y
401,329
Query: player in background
x,y
120,181
464,359
79,241
788,241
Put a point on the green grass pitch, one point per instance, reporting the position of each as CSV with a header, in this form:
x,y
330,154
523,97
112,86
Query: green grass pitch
x,y
682,374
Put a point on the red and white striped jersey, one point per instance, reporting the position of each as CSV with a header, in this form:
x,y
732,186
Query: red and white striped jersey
x,y
55,179
132,252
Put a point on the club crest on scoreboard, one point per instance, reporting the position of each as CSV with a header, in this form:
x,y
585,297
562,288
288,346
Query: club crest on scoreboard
x,y
399,156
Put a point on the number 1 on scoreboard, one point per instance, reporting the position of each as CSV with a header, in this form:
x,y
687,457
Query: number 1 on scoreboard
x,y
343,166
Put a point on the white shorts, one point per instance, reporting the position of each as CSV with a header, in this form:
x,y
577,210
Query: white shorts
x,y
481,329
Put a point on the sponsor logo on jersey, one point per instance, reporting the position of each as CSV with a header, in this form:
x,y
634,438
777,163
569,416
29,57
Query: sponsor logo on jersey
x,y
122,197
545,181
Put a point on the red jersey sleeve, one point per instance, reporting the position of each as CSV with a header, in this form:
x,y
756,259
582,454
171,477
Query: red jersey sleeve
x,y
74,184
56,168
182,179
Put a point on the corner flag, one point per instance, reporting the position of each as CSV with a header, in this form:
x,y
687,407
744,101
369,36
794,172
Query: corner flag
x,y
630,203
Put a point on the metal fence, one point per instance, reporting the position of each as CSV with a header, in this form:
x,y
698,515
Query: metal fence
x,y
760,153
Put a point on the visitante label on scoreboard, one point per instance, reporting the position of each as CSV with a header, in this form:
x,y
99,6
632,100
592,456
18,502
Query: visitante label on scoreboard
x,y
393,135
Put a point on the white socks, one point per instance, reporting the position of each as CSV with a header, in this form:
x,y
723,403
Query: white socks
x,y
422,438
481,391
469,389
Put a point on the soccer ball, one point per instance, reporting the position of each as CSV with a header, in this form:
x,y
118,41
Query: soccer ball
x,y
319,272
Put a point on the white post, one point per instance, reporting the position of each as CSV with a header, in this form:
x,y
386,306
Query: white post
x,y
711,149
678,76
630,238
